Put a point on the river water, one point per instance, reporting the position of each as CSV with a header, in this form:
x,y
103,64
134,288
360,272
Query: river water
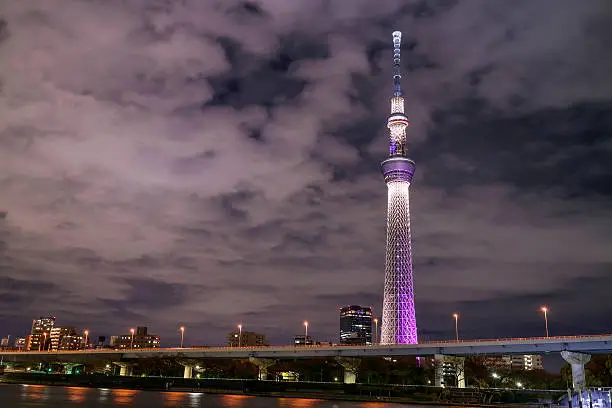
x,y
21,396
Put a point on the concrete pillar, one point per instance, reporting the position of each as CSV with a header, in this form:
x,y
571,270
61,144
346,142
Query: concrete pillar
x,y
188,373
577,361
125,369
262,364
351,368
446,366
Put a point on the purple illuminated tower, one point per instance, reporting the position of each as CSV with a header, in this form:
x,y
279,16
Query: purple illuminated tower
x,y
398,319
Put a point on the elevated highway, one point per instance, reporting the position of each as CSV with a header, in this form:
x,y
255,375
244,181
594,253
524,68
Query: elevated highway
x,y
596,344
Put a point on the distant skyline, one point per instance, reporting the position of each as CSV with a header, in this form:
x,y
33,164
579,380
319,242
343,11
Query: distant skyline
x,y
210,163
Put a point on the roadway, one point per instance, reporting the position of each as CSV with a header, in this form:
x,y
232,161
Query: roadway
x,y
596,344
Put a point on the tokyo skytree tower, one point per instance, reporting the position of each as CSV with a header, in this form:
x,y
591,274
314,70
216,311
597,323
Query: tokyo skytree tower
x,y
398,318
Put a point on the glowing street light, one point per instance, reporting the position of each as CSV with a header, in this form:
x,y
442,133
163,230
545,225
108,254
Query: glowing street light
x,y
44,343
376,331
305,333
240,335
495,375
545,310
182,329
86,333
132,340
456,316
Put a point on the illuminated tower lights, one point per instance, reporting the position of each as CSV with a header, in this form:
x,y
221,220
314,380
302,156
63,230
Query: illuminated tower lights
x,y
398,317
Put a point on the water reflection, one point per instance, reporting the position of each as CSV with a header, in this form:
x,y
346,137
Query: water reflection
x,y
34,392
174,399
297,402
104,393
234,401
124,397
76,394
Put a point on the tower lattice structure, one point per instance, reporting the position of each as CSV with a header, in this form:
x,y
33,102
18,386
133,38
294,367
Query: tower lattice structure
x,y
398,317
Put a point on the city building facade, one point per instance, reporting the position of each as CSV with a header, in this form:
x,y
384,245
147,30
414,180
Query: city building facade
x,y
139,339
303,340
40,335
398,315
356,325
57,334
243,338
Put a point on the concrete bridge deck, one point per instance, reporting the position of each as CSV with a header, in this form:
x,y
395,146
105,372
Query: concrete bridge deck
x,y
595,344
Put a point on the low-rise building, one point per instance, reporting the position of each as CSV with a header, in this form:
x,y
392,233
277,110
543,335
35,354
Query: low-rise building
x,y
246,339
138,339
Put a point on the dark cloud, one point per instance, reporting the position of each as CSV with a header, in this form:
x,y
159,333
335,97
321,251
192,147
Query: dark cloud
x,y
211,163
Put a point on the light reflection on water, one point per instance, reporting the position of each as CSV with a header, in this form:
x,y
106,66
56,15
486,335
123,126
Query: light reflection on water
x,y
39,396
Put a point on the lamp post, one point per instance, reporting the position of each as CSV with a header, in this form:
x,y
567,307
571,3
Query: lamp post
x,y
305,333
375,330
44,343
86,332
132,339
182,329
239,335
545,310
456,316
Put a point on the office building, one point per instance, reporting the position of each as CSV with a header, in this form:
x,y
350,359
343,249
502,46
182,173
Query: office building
x,y
356,325
66,338
40,335
139,339
518,362
248,339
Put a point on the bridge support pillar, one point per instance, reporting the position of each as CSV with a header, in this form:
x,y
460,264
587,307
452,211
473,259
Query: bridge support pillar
x,y
577,361
448,367
262,364
351,368
125,369
188,373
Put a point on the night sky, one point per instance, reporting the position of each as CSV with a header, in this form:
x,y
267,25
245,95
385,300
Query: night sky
x,y
208,163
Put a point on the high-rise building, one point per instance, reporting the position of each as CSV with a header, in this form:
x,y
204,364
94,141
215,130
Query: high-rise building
x,y
138,339
356,325
58,333
40,335
248,339
398,317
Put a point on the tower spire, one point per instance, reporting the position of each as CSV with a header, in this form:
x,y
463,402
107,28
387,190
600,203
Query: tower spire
x,y
397,122
397,74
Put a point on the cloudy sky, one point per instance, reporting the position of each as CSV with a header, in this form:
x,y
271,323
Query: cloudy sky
x,y
209,163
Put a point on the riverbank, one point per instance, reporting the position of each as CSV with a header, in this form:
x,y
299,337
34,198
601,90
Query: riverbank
x,y
418,395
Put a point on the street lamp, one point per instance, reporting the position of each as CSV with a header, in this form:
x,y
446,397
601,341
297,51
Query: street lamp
x,y
182,329
545,310
240,335
44,343
132,340
456,316
305,333
86,332
376,331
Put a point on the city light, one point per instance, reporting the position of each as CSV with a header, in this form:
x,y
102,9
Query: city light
x,y
305,333
182,330
456,316
545,310
86,332
375,331
132,331
495,375
240,335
